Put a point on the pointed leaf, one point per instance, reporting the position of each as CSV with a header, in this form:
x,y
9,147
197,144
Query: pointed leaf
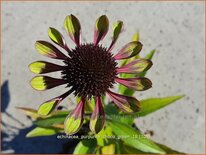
x,y
153,104
87,146
126,103
168,150
52,120
134,138
49,50
135,37
29,112
102,139
150,55
73,28
39,131
112,112
138,84
129,50
108,149
126,149
101,29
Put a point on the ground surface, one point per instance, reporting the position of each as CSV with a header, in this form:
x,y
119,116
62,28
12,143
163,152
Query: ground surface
x,y
175,29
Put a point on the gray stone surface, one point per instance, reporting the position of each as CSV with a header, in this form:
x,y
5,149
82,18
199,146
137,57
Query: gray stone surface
x,y
175,29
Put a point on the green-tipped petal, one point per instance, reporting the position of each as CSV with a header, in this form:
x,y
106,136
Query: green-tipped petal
x,y
74,120
41,67
136,66
117,28
101,29
57,38
73,28
49,50
129,50
45,82
127,104
138,84
47,107
98,117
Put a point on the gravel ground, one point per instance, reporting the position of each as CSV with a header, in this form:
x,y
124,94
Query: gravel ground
x,y
175,29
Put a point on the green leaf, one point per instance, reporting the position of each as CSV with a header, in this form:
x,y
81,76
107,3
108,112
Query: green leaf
x,y
108,149
117,147
126,149
39,131
29,112
53,120
168,150
150,55
101,137
134,138
86,147
126,91
135,37
112,112
151,105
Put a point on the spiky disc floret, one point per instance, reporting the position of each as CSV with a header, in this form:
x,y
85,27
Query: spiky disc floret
x,y
90,70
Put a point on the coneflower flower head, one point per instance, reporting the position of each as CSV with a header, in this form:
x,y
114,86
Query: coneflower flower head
x,y
89,70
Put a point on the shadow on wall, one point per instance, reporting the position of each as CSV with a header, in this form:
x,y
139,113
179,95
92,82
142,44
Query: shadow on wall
x,y
14,141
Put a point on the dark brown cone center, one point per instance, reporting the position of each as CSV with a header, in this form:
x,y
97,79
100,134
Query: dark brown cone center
x,y
90,70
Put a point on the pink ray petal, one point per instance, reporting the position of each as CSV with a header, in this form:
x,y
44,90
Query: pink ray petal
x,y
74,120
126,103
98,116
138,84
129,50
47,49
136,66
49,106
101,29
73,28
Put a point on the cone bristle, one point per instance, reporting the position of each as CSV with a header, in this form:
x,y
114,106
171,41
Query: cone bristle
x,y
90,70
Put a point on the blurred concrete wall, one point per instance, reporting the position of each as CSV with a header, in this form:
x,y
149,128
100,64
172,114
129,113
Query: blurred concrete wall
x,y
175,29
